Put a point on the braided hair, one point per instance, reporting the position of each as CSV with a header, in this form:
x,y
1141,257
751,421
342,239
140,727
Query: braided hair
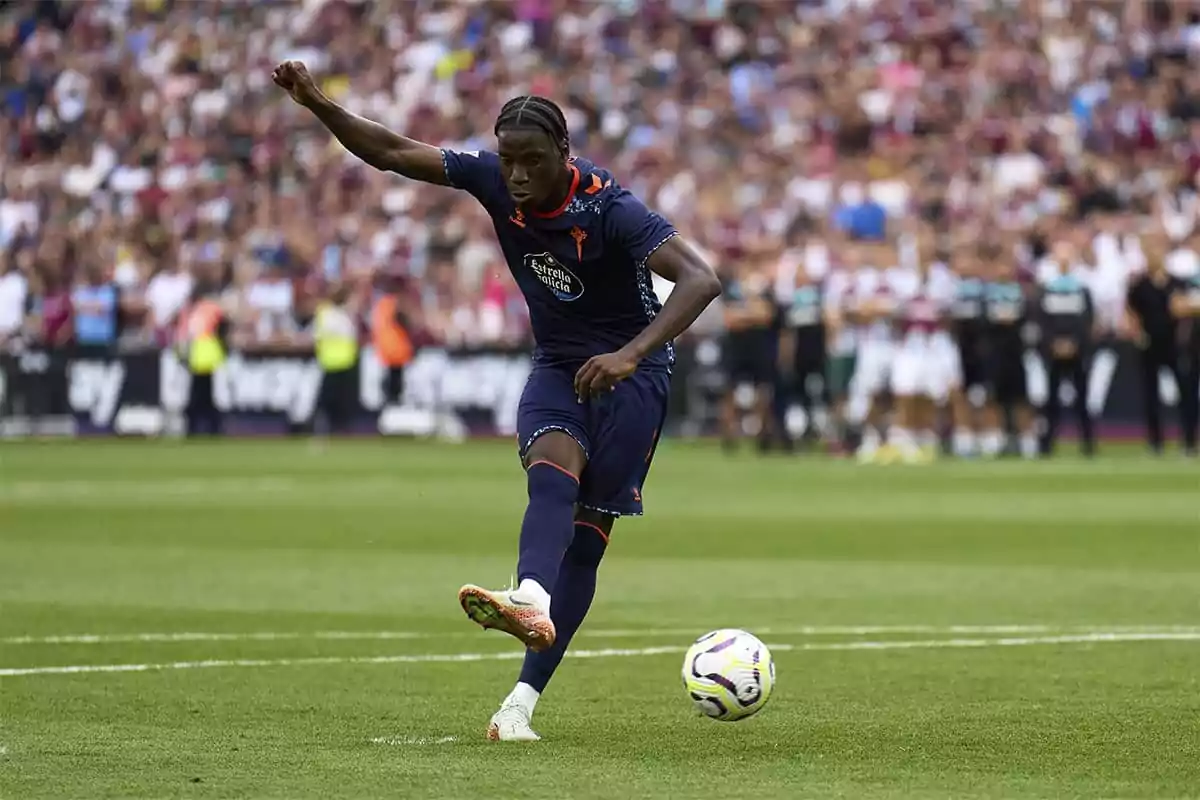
x,y
532,111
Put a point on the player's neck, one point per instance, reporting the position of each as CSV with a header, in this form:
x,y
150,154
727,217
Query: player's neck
x,y
561,191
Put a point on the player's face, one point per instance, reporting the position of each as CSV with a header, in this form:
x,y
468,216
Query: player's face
x,y
533,168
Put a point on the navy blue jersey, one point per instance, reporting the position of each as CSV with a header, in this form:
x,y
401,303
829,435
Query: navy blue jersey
x,y
581,268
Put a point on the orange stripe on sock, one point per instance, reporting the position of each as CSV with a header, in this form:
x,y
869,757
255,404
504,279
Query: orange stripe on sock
x,y
596,528
563,470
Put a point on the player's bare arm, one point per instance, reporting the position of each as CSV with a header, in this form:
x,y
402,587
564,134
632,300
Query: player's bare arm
x,y
370,141
696,285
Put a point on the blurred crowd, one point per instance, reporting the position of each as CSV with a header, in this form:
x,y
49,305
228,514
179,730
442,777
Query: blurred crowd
x,y
143,145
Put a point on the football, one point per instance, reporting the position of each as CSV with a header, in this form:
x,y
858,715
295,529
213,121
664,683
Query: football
x,y
729,674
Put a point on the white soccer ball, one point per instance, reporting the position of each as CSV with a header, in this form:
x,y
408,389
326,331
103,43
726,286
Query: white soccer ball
x,y
729,674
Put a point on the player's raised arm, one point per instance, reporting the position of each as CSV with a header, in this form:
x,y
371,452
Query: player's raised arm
x,y
373,143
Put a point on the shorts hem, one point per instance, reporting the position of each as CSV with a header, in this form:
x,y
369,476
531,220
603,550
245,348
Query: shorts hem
x,y
542,431
610,512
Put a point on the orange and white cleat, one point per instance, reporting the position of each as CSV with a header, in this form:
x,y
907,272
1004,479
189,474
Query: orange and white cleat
x,y
510,612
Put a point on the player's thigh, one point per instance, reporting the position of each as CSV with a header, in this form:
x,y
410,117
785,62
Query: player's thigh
x,y
870,369
949,365
812,374
970,367
744,366
626,425
909,369
552,424
945,374
1009,381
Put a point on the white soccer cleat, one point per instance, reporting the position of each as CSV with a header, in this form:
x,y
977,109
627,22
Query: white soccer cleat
x,y
511,612
511,724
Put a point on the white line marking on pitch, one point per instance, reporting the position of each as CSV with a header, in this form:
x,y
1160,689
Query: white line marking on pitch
x,y
616,633
413,741
1098,637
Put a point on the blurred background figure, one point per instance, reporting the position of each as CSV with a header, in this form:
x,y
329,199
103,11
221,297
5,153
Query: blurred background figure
x,y
1163,343
749,351
1007,333
803,348
391,325
1067,318
335,341
202,342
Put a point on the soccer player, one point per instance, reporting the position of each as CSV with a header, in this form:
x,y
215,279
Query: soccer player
x,y
968,324
1007,315
922,369
581,249
747,351
1066,319
872,306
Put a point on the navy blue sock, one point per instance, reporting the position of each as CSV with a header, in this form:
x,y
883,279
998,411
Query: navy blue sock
x,y
569,602
549,522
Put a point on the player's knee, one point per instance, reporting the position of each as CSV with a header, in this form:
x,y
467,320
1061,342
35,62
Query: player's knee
x,y
592,530
558,449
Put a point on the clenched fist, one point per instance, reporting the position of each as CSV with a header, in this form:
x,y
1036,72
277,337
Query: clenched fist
x,y
294,78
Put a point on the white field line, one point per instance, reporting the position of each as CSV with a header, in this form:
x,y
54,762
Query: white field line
x,y
1098,637
413,741
613,633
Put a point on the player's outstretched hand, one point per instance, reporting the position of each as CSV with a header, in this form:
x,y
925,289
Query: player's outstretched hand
x,y
603,373
293,77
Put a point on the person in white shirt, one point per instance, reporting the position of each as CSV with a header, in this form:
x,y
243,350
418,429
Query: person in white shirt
x,y
924,370
13,291
166,294
871,308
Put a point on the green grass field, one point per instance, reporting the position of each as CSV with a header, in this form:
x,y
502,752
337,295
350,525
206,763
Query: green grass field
x,y
958,630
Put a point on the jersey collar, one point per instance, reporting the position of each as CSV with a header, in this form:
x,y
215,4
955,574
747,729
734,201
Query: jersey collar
x,y
570,196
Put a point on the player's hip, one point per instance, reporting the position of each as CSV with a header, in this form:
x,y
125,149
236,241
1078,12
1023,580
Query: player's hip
x,y
553,386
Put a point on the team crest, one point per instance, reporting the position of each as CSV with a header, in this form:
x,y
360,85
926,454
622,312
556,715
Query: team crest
x,y
578,234
565,284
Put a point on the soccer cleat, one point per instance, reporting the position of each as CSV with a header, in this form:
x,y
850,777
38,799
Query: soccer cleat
x,y
888,454
511,724
505,611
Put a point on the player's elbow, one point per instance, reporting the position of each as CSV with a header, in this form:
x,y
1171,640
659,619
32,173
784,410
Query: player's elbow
x,y
707,284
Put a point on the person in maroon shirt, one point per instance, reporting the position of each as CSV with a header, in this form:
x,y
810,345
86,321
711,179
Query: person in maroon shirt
x,y
49,307
49,331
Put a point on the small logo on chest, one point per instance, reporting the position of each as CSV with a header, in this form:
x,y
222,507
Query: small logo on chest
x,y
565,284
579,235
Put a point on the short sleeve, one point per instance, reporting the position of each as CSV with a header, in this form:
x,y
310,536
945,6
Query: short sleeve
x,y
476,172
637,230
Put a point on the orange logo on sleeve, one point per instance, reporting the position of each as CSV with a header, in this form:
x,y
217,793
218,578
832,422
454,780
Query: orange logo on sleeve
x,y
597,186
578,234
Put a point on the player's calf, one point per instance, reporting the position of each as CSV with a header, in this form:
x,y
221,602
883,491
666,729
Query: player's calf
x,y
572,599
554,462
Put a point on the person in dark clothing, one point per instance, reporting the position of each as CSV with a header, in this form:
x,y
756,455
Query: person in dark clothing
x,y
749,353
1006,315
1185,307
802,353
1066,314
1157,333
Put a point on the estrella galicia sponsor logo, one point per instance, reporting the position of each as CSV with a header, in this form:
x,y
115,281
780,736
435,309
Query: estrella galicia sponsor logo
x,y
565,284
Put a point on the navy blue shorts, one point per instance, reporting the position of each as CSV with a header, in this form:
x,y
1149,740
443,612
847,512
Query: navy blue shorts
x,y
618,431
